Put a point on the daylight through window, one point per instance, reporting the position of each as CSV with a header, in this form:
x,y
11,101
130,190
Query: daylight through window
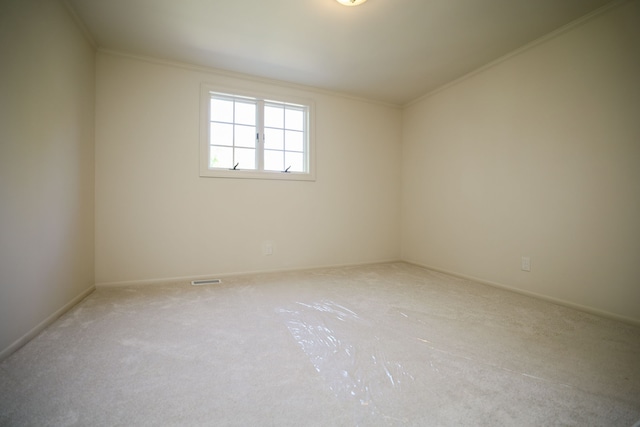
x,y
251,137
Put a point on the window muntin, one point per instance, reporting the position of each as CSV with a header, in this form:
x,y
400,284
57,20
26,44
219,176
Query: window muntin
x,y
253,137
284,130
232,132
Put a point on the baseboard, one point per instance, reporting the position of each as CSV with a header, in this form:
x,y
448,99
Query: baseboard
x,y
164,280
49,320
6,352
565,303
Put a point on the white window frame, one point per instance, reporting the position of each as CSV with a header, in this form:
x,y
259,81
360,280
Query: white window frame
x,y
259,173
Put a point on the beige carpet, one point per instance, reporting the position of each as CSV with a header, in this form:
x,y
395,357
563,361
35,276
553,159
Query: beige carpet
x,y
388,344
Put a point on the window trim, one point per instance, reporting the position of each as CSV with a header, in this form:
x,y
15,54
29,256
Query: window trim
x,y
205,96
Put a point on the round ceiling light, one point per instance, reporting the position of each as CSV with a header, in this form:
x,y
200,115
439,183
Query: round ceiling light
x,y
351,2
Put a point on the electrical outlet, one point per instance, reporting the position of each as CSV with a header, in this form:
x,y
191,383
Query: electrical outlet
x,y
267,248
526,263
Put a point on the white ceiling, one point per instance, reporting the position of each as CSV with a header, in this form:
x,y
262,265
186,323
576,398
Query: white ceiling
x,y
386,50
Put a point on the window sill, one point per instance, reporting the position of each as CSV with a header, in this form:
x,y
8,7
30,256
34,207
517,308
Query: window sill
x,y
247,174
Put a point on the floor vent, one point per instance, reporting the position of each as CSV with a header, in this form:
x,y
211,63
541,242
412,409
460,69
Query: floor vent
x,y
206,282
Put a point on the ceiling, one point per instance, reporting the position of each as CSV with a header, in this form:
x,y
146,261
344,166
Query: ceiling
x,y
392,51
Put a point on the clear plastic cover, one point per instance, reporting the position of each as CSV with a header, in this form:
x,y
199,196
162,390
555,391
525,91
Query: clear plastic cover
x,y
363,375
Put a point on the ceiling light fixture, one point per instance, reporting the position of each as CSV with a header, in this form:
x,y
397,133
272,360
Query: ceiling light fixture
x,y
351,2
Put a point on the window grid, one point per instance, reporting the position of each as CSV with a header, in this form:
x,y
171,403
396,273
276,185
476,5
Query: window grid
x,y
240,149
228,140
291,153
279,144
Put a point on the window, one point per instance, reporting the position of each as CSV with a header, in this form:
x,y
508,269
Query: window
x,y
255,136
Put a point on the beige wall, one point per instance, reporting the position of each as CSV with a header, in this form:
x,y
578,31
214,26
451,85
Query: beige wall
x,y
46,166
536,156
156,218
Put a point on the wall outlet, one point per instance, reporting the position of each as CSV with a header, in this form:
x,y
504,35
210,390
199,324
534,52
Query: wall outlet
x,y
526,263
267,248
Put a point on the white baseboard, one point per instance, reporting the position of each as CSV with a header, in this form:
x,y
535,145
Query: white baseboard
x,y
6,352
587,309
158,281
49,320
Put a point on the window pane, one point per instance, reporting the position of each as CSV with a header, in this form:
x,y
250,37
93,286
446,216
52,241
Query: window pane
x,y
222,110
221,134
294,119
273,160
245,113
245,136
246,158
220,157
234,122
273,116
294,141
273,139
295,160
